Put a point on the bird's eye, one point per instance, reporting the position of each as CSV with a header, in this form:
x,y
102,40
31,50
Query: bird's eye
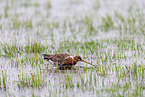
x,y
80,58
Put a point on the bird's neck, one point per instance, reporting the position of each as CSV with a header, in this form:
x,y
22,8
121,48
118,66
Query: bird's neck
x,y
74,61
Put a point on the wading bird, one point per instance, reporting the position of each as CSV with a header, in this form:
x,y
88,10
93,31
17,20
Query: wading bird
x,y
63,61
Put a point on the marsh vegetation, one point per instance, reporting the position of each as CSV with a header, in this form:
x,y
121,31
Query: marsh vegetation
x,y
109,34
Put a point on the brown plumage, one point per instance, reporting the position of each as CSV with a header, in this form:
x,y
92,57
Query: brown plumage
x,y
63,61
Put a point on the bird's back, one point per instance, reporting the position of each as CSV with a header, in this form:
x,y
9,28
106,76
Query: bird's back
x,y
57,58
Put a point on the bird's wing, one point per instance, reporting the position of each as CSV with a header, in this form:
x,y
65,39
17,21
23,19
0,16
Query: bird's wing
x,y
57,58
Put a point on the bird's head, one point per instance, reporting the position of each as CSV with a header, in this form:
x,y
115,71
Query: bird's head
x,y
78,58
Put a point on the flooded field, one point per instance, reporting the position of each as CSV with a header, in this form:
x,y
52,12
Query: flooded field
x,y
109,34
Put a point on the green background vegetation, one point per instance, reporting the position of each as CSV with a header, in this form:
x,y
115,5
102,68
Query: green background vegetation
x,y
109,34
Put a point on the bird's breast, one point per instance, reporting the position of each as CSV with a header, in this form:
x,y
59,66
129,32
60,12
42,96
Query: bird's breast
x,y
69,61
74,62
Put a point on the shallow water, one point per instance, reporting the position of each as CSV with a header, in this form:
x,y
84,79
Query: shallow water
x,y
27,74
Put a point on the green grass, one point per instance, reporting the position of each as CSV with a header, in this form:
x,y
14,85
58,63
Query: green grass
x,y
35,80
11,50
3,81
34,47
107,23
15,50
112,40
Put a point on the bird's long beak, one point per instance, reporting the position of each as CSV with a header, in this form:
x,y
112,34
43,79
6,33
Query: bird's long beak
x,y
87,62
